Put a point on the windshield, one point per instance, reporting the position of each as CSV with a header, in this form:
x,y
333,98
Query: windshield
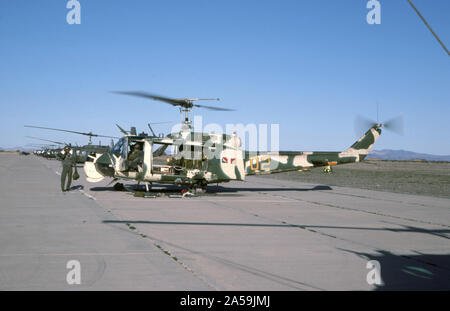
x,y
120,148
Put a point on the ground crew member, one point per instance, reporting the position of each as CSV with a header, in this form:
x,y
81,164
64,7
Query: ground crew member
x,y
327,169
68,160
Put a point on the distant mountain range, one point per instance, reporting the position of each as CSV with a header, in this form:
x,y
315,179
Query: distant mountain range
x,y
404,155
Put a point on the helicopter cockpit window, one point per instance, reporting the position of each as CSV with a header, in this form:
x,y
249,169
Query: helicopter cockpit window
x,y
120,149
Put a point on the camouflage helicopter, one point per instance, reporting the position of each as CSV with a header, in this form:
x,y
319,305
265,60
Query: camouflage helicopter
x,y
48,151
200,158
82,152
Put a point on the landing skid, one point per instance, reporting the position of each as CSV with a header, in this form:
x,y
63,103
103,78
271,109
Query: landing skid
x,y
137,191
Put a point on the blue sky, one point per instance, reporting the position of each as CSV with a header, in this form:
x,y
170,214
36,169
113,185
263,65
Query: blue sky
x,y
310,66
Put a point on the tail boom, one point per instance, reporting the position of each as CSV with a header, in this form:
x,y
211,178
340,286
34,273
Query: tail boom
x,y
277,162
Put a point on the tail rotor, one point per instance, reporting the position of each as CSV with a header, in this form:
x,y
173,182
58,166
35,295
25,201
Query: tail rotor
x,y
395,125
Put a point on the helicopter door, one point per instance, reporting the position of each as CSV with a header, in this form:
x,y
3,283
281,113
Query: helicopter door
x,y
193,157
119,153
148,159
232,164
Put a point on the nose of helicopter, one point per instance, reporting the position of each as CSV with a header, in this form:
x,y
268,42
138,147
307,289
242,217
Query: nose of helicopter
x,y
97,169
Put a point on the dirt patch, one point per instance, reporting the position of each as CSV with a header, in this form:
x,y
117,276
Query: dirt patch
x,y
422,178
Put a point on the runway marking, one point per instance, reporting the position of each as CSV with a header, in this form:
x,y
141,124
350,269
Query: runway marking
x,y
237,266
153,241
308,228
81,190
87,194
166,252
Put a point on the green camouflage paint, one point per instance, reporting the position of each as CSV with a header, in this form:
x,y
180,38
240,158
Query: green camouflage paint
x,y
217,158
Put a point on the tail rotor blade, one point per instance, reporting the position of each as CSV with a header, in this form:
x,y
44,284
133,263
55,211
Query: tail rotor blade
x,y
362,124
395,125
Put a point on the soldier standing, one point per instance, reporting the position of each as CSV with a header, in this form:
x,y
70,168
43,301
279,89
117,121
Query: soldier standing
x,y
68,160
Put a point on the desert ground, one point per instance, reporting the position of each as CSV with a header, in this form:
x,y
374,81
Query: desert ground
x,y
414,177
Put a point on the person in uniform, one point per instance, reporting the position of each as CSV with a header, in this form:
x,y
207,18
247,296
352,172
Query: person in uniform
x,y
136,157
68,161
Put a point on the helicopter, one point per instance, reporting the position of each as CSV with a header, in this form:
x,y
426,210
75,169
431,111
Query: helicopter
x,y
46,151
201,158
49,151
82,152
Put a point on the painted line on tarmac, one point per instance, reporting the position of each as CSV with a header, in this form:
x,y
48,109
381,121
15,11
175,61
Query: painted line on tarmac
x,y
81,190
88,195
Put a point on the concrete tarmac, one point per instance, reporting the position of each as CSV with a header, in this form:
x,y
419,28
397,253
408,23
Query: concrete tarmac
x,y
262,234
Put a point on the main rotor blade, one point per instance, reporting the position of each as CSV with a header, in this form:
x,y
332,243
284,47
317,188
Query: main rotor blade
x,y
183,102
122,130
52,141
97,135
166,122
69,131
41,146
160,151
196,99
150,127
53,129
172,101
213,108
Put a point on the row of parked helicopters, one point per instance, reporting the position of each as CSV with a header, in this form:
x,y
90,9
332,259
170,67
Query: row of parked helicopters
x,y
56,148
198,158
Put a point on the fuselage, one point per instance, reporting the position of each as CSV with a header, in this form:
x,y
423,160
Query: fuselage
x,y
200,159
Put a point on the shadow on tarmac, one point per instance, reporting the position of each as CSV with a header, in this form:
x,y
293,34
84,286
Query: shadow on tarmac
x,y
220,189
406,229
411,272
213,189
78,187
